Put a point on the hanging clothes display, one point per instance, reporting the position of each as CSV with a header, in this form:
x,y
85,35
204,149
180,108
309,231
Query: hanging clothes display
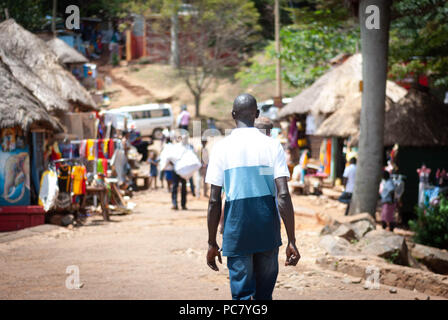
x,y
100,149
66,150
83,149
55,152
293,133
64,174
102,166
327,169
48,189
111,148
106,148
79,178
63,200
91,149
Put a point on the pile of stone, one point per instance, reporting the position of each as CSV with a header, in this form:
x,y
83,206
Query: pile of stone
x,y
357,236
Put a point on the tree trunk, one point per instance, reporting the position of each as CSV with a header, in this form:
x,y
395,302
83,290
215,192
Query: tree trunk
x,y
53,18
174,59
197,103
374,48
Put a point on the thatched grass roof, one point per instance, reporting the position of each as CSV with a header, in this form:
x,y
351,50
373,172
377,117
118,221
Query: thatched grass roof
x,y
65,53
336,89
20,47
18,107
416,120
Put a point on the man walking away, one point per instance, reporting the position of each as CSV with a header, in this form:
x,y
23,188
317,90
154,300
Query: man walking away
x,y
349,182
251,167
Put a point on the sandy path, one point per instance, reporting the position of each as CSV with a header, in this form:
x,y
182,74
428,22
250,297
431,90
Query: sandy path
x,y
157,253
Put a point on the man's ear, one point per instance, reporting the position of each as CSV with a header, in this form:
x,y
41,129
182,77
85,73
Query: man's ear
x,y
234,115
257,114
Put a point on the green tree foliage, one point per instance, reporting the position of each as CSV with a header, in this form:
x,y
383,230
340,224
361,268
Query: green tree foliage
x,y
28,13
431,225
306,47
419,40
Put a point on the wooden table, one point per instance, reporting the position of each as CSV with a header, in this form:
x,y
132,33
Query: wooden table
x,y
101,192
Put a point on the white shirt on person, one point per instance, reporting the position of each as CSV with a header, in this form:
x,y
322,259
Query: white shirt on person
x,y
245,164
350,173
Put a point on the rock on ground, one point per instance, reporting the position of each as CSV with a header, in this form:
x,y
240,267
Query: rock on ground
x,y
362,227
386,245
336,246
355,218
346,232
435,259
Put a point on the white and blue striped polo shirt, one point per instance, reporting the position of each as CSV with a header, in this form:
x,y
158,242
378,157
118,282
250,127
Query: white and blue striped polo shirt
x,y
245,164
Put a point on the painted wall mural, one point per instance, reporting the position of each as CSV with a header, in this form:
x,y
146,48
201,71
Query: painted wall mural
x,y
14,169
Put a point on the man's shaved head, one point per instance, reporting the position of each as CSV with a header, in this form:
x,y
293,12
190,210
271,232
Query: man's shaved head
x,y
245,108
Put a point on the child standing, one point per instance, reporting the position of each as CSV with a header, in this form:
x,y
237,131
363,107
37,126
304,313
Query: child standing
x,y
153,161
387,202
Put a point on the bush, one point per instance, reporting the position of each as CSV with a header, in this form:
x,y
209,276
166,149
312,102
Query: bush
x,y
115,59
431,225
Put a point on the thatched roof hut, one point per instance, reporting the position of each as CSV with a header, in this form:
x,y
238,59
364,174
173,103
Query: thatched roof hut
x,y
20,47
336,89
18,107
417,120
65,53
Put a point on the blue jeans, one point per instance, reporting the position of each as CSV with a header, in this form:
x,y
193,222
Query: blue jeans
x,y
253,276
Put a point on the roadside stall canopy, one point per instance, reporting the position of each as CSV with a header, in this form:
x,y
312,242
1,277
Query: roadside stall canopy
x,y
65,53
18,107
337,88
37,68
417,120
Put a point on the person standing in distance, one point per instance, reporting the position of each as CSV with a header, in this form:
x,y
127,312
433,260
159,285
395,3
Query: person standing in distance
x,y
251,167
183,120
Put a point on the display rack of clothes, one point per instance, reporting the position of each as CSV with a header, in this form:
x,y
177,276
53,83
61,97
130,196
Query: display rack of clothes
x,y
71,179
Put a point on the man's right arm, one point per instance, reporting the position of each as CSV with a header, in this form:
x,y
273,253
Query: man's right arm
x,y
213,217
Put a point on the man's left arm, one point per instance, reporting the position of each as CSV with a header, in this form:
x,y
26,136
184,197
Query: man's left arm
x,y
287,213
281,175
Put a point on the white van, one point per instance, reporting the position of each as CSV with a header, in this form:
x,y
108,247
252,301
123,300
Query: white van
x,y
150,119
117,119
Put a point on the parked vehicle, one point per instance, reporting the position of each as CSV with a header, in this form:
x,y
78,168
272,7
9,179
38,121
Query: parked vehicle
x,y
150,119
268,110
117,119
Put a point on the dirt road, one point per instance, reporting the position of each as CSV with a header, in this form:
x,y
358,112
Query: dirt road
x,y
157,253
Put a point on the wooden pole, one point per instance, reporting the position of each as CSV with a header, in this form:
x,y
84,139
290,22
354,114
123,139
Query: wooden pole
x,y
53,18
128,45
6,13
277,50
144,37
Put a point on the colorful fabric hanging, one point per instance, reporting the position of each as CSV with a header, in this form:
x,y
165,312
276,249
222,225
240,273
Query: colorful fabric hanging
x,y
66,150
55,153
83,149
90,149
48,190
111,148
106,148
100,149
64,174
79,177
102,166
